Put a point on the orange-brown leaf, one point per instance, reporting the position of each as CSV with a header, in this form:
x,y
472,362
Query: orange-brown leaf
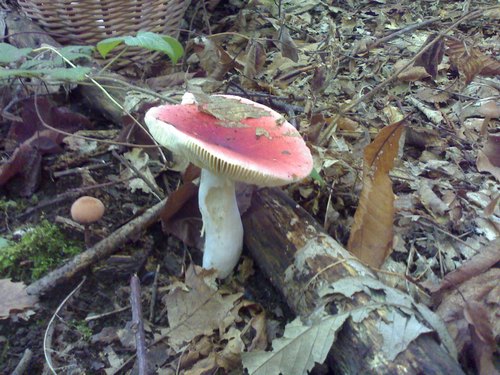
x,y
470,61
372,231
380,154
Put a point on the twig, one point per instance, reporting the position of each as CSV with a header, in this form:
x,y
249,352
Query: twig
x,y
99,251
106,314
47,337
158,194
326,134
23,363
138,324
402,31
154,292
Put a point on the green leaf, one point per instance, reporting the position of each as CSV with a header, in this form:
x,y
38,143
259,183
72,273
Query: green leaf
x,y
4,242
176,47
107,45
66,74
144,39
14,73
55,74
317,177
9,53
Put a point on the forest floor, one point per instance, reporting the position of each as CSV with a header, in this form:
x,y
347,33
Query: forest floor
x,y
340,72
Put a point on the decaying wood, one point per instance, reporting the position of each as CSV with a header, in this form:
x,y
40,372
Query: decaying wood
x,y
299,258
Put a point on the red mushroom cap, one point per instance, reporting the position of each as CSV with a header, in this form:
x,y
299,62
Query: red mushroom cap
x,y
249,143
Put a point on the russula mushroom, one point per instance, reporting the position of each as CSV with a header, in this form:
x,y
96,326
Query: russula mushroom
x,y
87,210
231,139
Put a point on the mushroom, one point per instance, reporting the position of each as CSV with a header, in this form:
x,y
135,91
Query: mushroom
x,y
231,139
489,110
87,210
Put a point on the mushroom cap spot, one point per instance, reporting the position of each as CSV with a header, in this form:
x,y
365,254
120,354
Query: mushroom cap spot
x,y
265,151
86,210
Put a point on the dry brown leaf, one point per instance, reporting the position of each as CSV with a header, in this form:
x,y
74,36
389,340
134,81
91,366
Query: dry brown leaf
x,y
287,45
200,349
372,231
483,341
200,310
13,298
213,59
488,159
255,57
430,200
258,323
431,58
230,357
410,74
470,61
485,258
482,288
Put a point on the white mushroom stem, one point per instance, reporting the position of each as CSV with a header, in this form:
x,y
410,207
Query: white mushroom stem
x,y
221,223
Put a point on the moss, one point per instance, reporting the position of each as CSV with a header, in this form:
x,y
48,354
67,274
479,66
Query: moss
x,y
40,250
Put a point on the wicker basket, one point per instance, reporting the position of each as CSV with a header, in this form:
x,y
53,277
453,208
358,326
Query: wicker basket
x,y
90,21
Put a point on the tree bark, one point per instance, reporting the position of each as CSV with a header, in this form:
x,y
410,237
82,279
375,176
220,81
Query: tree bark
x,y
299,258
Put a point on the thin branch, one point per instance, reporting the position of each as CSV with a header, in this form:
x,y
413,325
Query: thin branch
x,y
138,324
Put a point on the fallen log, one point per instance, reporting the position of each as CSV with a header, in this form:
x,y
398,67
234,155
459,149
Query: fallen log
x,y
300,259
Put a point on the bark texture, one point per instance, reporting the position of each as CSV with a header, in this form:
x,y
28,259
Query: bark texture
x,y
299,258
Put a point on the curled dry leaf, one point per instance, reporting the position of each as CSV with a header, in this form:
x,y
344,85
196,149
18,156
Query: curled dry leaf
x,y
431,58
287,45
255,57
470,61
372,231
488,159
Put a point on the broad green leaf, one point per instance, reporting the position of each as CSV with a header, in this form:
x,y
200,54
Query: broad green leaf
x,y
300,347
176,47
9,53
107,45
144,39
